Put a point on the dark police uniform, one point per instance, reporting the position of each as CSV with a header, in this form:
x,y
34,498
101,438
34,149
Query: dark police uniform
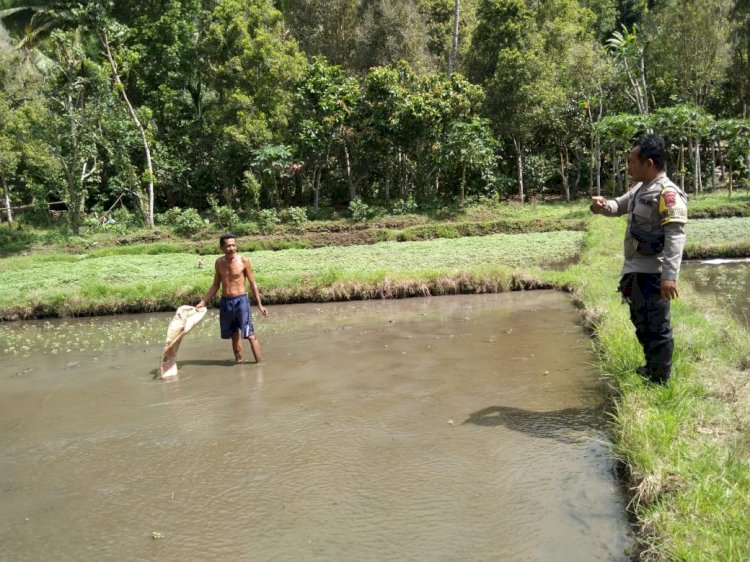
x,y
655,238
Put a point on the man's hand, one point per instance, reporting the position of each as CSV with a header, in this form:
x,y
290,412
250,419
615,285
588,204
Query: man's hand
x,y
669,289
598,204
200,305
263,310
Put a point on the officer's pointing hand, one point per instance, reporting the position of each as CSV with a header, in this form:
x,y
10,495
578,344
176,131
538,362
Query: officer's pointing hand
x,y
669,289
597,204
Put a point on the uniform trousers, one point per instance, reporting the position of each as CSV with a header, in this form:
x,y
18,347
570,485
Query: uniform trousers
x,y
650,315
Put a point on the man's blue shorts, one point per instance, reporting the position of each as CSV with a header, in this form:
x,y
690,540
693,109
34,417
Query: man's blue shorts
x,y
234,315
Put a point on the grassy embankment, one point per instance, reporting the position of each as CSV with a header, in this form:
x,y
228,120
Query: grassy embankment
x,y
59,284
471,221
685,447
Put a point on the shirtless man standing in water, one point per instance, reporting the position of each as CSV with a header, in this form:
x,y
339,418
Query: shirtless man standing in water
x,y
234,308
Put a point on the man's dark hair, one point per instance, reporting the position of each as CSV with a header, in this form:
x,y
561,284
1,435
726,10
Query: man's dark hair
x,y
224,237
653,147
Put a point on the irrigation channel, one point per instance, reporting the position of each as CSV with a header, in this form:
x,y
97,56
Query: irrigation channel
x,y
448,428
725,280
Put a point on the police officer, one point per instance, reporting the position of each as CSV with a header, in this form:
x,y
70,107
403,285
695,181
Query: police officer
x,y
655,237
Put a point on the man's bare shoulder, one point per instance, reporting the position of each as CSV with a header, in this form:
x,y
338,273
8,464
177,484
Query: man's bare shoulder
x,y
221,262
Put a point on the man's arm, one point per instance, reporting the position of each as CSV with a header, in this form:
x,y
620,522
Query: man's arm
x,y
673,214
253,286
214,288
612,207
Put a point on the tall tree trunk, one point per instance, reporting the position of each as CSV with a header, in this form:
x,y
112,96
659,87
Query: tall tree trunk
x,y
598,168
616,171
517,148
120,86
698,174
316,187
713,165
463,181
577,180
6,203
454,41
298,185
352,187
401,174
729,175
592,167
681,166
564,172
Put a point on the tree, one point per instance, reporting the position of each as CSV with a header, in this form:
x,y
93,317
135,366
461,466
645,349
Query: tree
x,y
736,88
327,99
454,39
509,60
471,145
446,21
254,70
685,125
80,102
628,49
590,78
390,31
326,28
688,56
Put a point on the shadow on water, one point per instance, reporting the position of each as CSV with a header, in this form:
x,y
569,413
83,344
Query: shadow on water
x,y
199,362
569,425
208,363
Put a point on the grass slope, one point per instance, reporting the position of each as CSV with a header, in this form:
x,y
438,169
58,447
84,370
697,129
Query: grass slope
x,y
59,284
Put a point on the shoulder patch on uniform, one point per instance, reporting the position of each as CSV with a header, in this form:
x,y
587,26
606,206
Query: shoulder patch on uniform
x,y
672,207
670,199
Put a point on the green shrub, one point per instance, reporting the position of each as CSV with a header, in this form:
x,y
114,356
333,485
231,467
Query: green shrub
x,y
405,207
169,217
267,220
359,210
223,215
244,229
250,192
296,216
188,222
123,216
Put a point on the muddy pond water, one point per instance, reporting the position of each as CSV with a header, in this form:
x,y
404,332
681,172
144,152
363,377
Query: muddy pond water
x,y
450,428
726,281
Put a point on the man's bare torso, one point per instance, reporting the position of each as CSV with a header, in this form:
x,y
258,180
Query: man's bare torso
x,y
232,273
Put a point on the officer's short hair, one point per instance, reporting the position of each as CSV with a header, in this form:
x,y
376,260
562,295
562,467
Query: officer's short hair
x,y
224,237
654,147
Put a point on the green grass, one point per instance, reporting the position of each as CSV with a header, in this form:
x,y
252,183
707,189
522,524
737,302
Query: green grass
x,y
722,230
468,220
722,237
720,204
46,284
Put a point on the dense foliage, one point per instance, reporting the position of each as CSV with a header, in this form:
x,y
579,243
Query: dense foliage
x,y
222,109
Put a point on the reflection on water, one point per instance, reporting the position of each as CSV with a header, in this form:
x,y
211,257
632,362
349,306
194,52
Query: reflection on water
x,y
452,428
726,281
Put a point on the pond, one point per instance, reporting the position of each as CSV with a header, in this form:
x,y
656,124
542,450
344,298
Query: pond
x,y
449,428
726,281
